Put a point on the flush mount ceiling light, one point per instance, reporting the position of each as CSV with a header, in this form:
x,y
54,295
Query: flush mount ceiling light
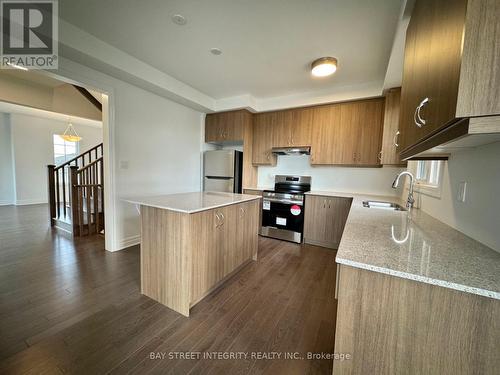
x,y
215,51
324,66
179,19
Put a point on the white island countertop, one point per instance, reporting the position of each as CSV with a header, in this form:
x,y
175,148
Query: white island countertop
x,y
416,246
191,202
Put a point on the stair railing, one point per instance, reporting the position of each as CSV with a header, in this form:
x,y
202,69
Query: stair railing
x,y
76,193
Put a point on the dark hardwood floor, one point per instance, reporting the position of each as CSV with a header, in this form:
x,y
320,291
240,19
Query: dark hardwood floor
x,y
68,306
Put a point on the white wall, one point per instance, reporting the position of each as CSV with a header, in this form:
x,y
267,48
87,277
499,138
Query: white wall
x,y
479,216
7,192
33,150
158,151
342,179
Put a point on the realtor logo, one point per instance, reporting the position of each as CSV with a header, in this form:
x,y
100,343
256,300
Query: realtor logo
x,y
29,37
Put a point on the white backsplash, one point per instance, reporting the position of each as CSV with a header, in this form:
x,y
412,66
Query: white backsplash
x,y
343,179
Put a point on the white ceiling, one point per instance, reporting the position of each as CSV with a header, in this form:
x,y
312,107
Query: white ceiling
x,y
267,45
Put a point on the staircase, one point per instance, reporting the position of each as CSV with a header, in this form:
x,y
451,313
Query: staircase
x,y
76,193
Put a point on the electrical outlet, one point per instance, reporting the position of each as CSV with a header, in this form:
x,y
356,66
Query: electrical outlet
x,y
462,189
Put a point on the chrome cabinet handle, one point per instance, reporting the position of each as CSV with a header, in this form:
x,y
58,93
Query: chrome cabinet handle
x,y
324,203
223,218
217,222
379,156
242,212
395,139
417,118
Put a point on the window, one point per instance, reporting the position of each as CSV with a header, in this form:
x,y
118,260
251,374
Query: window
x,y
64,150
428,172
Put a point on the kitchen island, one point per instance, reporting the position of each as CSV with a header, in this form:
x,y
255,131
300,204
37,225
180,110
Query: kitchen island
x,y
192,242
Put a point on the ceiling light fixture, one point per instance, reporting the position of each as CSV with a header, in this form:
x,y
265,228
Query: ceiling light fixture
x,y
324,66
70,134
179,19
215,51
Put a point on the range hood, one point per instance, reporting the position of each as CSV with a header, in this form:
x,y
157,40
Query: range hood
x,y
291,150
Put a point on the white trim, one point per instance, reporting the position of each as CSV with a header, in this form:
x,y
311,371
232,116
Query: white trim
x,y
25,202
72,72
129,241
6,203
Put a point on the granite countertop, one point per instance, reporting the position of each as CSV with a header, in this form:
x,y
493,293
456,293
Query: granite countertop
x,y
414,245
192,202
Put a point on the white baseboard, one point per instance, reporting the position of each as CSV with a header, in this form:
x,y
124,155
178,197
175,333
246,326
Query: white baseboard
x,y
128,241
24,202
6,203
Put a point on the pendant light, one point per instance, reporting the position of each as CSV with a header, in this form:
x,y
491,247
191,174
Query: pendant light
x,y
70,134
324,66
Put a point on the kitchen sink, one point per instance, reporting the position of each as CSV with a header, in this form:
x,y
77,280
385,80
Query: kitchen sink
x,y
383,205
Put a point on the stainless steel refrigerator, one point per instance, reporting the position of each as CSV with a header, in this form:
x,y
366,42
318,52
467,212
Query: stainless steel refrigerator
x,y
222,170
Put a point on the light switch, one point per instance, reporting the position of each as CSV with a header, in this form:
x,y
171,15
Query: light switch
x,y
462,189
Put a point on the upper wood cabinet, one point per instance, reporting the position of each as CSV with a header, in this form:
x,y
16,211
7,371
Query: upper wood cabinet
x,y
292,127
348,133
226,126
451,66
263,125
389,155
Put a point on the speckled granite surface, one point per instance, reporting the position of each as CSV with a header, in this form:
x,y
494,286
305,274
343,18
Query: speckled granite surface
x,y
191,202
416,246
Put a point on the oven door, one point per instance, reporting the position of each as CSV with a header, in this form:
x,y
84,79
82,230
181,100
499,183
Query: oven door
x,y
282,219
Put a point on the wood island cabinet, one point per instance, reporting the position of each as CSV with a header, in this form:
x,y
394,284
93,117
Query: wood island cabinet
x,y
184,256
325,218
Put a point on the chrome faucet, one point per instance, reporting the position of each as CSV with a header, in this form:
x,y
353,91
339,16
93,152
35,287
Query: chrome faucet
x,y
410,200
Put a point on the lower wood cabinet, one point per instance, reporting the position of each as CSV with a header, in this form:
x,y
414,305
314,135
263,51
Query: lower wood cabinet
x,y
325,218
225,238
184,256
392,325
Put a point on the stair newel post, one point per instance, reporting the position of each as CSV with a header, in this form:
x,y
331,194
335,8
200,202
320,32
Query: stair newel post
x,y
51,190
74,199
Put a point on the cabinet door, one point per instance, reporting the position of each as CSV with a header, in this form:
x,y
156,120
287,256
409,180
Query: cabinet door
x,y
206,253
301,127
360,132
315,220
225,126
337,212
213,132
431,68
281,123
325,145
248,229
389,154
263,139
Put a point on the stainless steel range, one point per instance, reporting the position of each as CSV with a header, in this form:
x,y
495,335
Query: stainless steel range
x,y
283,208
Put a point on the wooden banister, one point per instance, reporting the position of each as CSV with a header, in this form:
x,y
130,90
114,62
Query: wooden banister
x,y
76,196
51,190
82,155
90,165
